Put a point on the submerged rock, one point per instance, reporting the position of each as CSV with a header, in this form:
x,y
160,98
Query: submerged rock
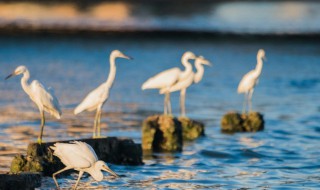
x,y
25,180
40,158
234,122
166,133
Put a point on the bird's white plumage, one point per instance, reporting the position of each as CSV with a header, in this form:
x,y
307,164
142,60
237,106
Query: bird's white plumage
x,y
164,79
95,98
180,84
247,82
76,154
81,157
45,99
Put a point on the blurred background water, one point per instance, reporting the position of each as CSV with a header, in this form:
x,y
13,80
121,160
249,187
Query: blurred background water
x,y
284,156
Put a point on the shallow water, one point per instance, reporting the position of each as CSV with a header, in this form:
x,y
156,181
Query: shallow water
x,y
284,155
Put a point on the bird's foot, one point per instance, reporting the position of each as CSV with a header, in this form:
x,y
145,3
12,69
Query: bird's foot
x,y
39,141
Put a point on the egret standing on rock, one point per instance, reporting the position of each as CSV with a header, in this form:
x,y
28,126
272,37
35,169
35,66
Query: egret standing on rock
x,y
96,98
166,79
43,98
81,157
249,81
183,84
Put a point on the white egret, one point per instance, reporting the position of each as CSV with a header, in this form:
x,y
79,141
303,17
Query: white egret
x,y
81,157
43,98
183,84
249,81
167,78
97,97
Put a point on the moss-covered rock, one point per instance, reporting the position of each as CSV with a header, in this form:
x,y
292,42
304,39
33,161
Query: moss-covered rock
x,y
40,158
166,133
162,133
234,122
191,129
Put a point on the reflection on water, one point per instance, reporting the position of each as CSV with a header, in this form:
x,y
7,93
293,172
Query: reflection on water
x,y
285,155
236,17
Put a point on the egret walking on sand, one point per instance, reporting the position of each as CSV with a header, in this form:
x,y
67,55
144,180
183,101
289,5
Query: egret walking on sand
x,y
81,157
43,98
97,97
249,81
167,78
183,84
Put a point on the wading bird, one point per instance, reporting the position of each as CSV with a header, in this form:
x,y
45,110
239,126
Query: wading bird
x,y
97,97
183,84
81,157
43,98
249,81
167,78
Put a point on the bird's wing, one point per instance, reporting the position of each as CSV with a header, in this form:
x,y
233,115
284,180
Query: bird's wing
x,y
73,155
87,148
247,82
95,98
164,79
180,84
46,99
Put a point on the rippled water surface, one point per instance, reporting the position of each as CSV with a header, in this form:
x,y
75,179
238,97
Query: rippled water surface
x,y
285,155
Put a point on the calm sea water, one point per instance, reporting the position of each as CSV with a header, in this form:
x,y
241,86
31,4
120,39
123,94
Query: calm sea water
x,y
284,156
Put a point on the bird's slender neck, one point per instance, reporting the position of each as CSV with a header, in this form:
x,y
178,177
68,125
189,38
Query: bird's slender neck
x,y
199,74
187,65
112,72
259,65
24,82
96,173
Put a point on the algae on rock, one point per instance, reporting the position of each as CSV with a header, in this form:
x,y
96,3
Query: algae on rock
x,y
191,129
234,122
162,133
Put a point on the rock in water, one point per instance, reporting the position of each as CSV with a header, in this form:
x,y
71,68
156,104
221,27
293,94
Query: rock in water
x,y
191,129
111,150
234,122
20,181
166,133
162,133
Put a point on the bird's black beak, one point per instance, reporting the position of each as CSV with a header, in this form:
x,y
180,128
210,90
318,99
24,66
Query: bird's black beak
x,y
11,75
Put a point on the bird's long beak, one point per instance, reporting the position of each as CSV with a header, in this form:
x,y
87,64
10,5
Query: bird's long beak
x,y
109,171
207,63
127,57
265,58
11,75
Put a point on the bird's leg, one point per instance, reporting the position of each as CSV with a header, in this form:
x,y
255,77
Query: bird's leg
x,y
95,124
41,127
79,177
165,110
250,100
54,175
182,102
98,126
169,104
244,103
